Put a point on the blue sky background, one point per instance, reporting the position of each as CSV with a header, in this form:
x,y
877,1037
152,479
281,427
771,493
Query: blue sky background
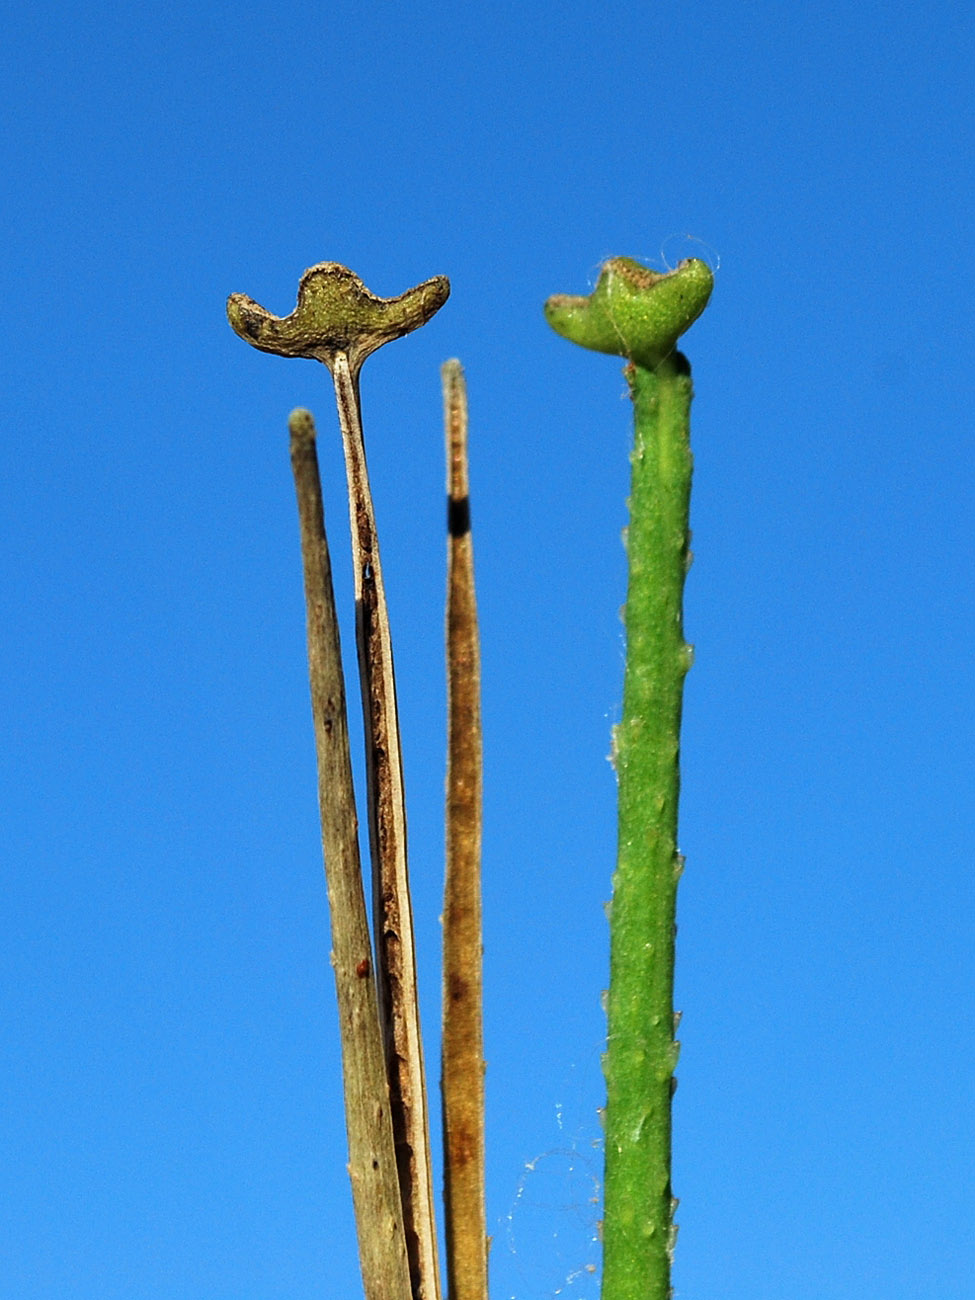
x,y
170,1118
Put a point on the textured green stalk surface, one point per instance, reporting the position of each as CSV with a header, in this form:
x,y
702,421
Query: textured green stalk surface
x,y
639,314
641,1052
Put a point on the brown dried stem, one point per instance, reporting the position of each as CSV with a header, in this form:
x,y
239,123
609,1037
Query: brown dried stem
x,y
462,1077
392,910
372,1159
338,321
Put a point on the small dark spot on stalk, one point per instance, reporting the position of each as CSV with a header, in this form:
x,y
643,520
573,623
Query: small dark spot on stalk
x,y
458,516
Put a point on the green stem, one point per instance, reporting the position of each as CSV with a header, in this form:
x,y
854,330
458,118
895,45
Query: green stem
x,y
639,314
641,1052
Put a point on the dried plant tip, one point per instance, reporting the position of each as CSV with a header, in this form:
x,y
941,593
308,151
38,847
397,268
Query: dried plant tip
x,y
634,312
336,314
301,426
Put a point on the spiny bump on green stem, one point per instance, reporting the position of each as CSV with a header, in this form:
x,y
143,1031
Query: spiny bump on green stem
x,y
335,314
634,312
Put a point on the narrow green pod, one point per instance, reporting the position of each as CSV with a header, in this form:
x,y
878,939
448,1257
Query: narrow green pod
x,y
641,1052
641,318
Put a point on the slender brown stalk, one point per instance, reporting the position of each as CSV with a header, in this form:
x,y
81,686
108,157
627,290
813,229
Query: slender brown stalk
x,y
339,322
392,910
372,1159
462,1077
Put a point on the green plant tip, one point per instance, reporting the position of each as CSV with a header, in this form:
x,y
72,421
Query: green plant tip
x,y
336,314
634,312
